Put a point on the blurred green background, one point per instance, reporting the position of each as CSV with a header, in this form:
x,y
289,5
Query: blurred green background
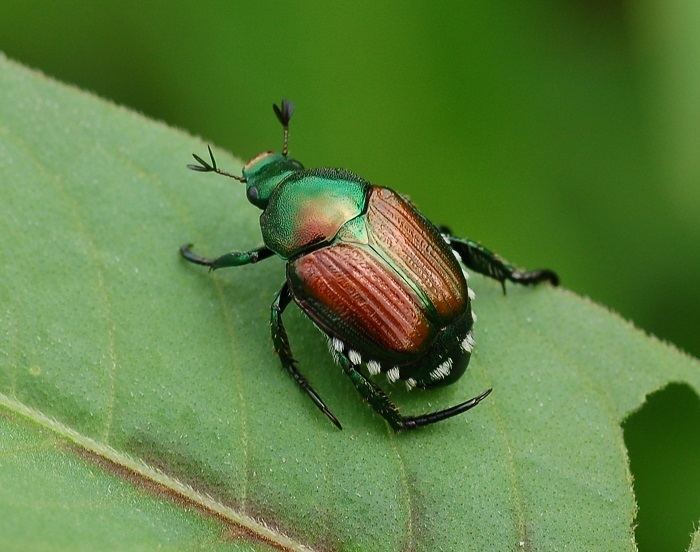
x,y
562,134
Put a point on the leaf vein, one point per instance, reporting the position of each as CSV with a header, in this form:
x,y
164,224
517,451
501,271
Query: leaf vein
x,y
142,470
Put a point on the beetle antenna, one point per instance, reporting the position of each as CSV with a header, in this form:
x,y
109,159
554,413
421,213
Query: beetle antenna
x,y
207,167
284,114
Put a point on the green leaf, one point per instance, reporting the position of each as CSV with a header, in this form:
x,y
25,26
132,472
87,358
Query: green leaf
x,y
143,405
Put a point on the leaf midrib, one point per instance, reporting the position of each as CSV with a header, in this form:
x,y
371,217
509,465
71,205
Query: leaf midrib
x,y
244,524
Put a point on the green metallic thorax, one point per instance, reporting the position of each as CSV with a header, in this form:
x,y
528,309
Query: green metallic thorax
x,y
308,207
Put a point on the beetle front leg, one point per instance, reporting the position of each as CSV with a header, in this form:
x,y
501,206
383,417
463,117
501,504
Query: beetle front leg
x,y
284,351
478,258
235,258
379,400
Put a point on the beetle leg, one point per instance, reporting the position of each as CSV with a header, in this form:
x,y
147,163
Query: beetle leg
x,y
372,393
235,258
379,400
284,351
483,261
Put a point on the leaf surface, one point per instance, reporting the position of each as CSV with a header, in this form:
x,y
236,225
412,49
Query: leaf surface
x,y
141,396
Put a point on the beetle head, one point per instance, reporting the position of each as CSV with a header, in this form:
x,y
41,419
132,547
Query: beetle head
x,y
264,172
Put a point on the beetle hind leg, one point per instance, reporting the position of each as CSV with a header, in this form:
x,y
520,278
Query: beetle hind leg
x,y
381,403
480,259
284,351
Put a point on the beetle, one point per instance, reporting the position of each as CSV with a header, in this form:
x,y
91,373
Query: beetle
x,y
385,285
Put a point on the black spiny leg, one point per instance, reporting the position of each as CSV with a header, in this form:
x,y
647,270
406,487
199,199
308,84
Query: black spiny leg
x,y
281,343
376,397
235,258
483,261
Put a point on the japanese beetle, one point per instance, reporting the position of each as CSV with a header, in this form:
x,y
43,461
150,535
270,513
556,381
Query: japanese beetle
x,y
383,283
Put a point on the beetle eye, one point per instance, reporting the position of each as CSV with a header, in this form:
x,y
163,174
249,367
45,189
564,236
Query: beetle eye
x,y
252,194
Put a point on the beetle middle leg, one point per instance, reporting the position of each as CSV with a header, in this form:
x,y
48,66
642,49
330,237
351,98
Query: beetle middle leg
x,y
284,351
234,258
484,261
379,400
